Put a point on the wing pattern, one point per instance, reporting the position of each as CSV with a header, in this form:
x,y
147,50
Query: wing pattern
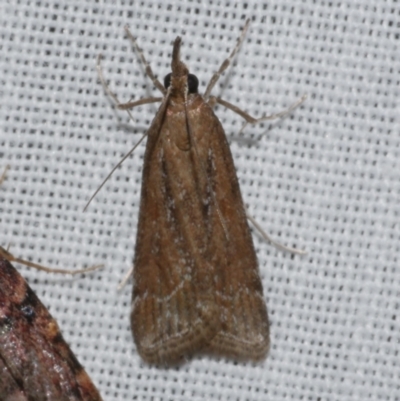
x,y
196,279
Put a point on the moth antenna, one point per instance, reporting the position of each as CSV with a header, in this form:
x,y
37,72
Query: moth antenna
x,y
112,171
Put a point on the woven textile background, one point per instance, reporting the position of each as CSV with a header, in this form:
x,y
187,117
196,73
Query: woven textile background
x,y
325,179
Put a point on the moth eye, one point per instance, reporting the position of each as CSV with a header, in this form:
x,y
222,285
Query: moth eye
x,y
28,311
193,83
167,80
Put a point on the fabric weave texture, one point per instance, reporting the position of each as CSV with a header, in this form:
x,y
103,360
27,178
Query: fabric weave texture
x,y
324,179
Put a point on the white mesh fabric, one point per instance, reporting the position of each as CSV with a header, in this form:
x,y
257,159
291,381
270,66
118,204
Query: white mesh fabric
x,y
324,179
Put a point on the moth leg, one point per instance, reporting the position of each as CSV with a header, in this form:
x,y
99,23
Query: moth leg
x,y
11,258
226,62
127,276
3,176
131,105
149,71
121,106
276,244
248,118
251,120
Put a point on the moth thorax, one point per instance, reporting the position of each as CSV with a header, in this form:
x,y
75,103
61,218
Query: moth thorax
x,y
179,87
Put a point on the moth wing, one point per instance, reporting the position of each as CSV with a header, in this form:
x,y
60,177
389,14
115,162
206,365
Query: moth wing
x,y
173,308
9,388
35,357
244,331
195,269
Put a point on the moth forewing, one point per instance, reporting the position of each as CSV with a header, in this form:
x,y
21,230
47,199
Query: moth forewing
x,y
35,361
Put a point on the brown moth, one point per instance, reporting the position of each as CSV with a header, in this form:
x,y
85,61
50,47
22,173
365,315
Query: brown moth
x,y
197,286
36,364
196,279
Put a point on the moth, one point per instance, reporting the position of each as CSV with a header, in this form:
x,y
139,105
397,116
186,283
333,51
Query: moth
x,y
36,364
197,286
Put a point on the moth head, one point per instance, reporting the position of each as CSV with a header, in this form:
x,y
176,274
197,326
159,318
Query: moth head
x,y
179,79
